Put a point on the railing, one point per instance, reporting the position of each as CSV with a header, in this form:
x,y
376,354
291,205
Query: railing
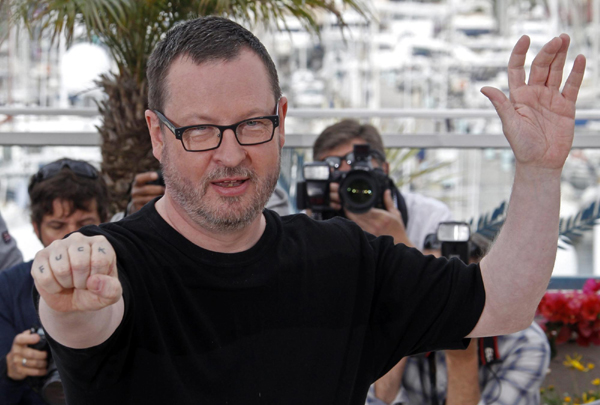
x,y
583,138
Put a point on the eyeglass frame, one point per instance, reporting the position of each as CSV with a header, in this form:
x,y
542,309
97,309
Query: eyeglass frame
x,y
178,131
373,154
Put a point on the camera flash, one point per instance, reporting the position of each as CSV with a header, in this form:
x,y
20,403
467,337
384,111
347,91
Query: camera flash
x,y
316,172
453,232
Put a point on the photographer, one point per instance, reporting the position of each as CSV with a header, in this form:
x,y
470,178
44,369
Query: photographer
x,y
64,196
508,369
407,217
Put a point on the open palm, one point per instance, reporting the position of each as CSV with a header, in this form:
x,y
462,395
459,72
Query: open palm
x,y
538,119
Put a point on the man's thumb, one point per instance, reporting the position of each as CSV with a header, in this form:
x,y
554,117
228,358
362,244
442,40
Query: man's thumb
x,y
501,103
106,287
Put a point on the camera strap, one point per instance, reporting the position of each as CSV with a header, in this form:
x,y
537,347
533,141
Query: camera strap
x,y
432,377
400,203
488,353
488,350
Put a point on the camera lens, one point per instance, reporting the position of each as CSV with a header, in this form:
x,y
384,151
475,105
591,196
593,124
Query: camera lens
x,y
359,191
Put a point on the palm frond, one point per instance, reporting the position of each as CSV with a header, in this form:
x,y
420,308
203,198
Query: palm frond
x,y
570,228
130,29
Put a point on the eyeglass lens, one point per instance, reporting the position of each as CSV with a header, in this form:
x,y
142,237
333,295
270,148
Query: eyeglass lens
x,y
247,133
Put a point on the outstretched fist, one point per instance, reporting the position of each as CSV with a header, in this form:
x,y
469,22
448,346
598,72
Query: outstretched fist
x,y
78,273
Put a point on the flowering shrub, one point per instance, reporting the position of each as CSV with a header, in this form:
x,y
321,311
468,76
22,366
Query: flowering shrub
x,y
572,315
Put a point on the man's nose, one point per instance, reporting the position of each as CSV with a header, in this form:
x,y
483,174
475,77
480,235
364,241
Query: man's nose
x,y
344,166
71,228
230,153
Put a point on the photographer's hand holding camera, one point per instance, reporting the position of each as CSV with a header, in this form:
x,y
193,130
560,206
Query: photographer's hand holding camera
x,y
145,187
357,186
23,361
378,221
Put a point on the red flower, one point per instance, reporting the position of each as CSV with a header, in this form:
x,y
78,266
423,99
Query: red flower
x,y
572,314
590,306
563,335
558,307
591,286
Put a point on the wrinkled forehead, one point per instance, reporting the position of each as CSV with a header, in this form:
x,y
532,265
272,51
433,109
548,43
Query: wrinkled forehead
x,y
242,77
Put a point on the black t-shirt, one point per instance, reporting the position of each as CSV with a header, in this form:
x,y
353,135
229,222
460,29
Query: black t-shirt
x,y
312,314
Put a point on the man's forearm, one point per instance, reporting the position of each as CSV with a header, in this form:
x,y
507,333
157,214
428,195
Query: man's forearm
x,y
517,270
388,386
462,367
80,330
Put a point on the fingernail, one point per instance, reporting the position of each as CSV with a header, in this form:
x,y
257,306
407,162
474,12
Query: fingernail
x,y
95,284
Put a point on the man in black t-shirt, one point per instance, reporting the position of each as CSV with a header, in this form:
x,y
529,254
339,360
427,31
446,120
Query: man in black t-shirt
x,y
203,297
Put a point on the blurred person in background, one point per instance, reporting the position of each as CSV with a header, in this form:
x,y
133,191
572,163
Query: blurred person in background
x,y
64,196
10,254
508,369
408,217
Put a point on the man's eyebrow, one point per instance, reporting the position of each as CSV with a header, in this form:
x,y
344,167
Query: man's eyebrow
x,y
194,119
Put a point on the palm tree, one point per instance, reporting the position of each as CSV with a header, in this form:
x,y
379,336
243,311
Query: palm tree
x,y
130,29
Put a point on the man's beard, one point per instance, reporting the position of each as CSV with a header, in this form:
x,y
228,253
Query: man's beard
x,y
225,214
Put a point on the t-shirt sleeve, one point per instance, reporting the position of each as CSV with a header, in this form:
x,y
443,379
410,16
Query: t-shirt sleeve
x,y
421,303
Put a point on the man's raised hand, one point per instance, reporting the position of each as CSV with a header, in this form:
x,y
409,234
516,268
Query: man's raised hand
x,y
538,119
78,273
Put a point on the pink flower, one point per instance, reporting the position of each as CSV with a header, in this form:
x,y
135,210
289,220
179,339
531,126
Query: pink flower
x,y
572,314
591,286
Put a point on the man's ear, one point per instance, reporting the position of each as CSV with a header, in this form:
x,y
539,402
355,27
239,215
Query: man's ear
x,y
156,135
386,168
283,107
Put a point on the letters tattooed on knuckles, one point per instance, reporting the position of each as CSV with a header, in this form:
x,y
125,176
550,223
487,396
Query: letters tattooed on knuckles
x,y
41,269
80,249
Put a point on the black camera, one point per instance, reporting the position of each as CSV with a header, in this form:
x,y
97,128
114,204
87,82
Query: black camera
x,y
361,188
49,387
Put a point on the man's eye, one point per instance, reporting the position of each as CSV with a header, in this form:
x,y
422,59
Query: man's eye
x,y
199,130
56,226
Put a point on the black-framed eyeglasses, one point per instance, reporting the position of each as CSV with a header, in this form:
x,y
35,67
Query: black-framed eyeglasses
x,y
336,161
205,137
79,167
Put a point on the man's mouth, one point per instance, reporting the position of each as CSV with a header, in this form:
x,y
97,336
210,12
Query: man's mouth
x,y
229,183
